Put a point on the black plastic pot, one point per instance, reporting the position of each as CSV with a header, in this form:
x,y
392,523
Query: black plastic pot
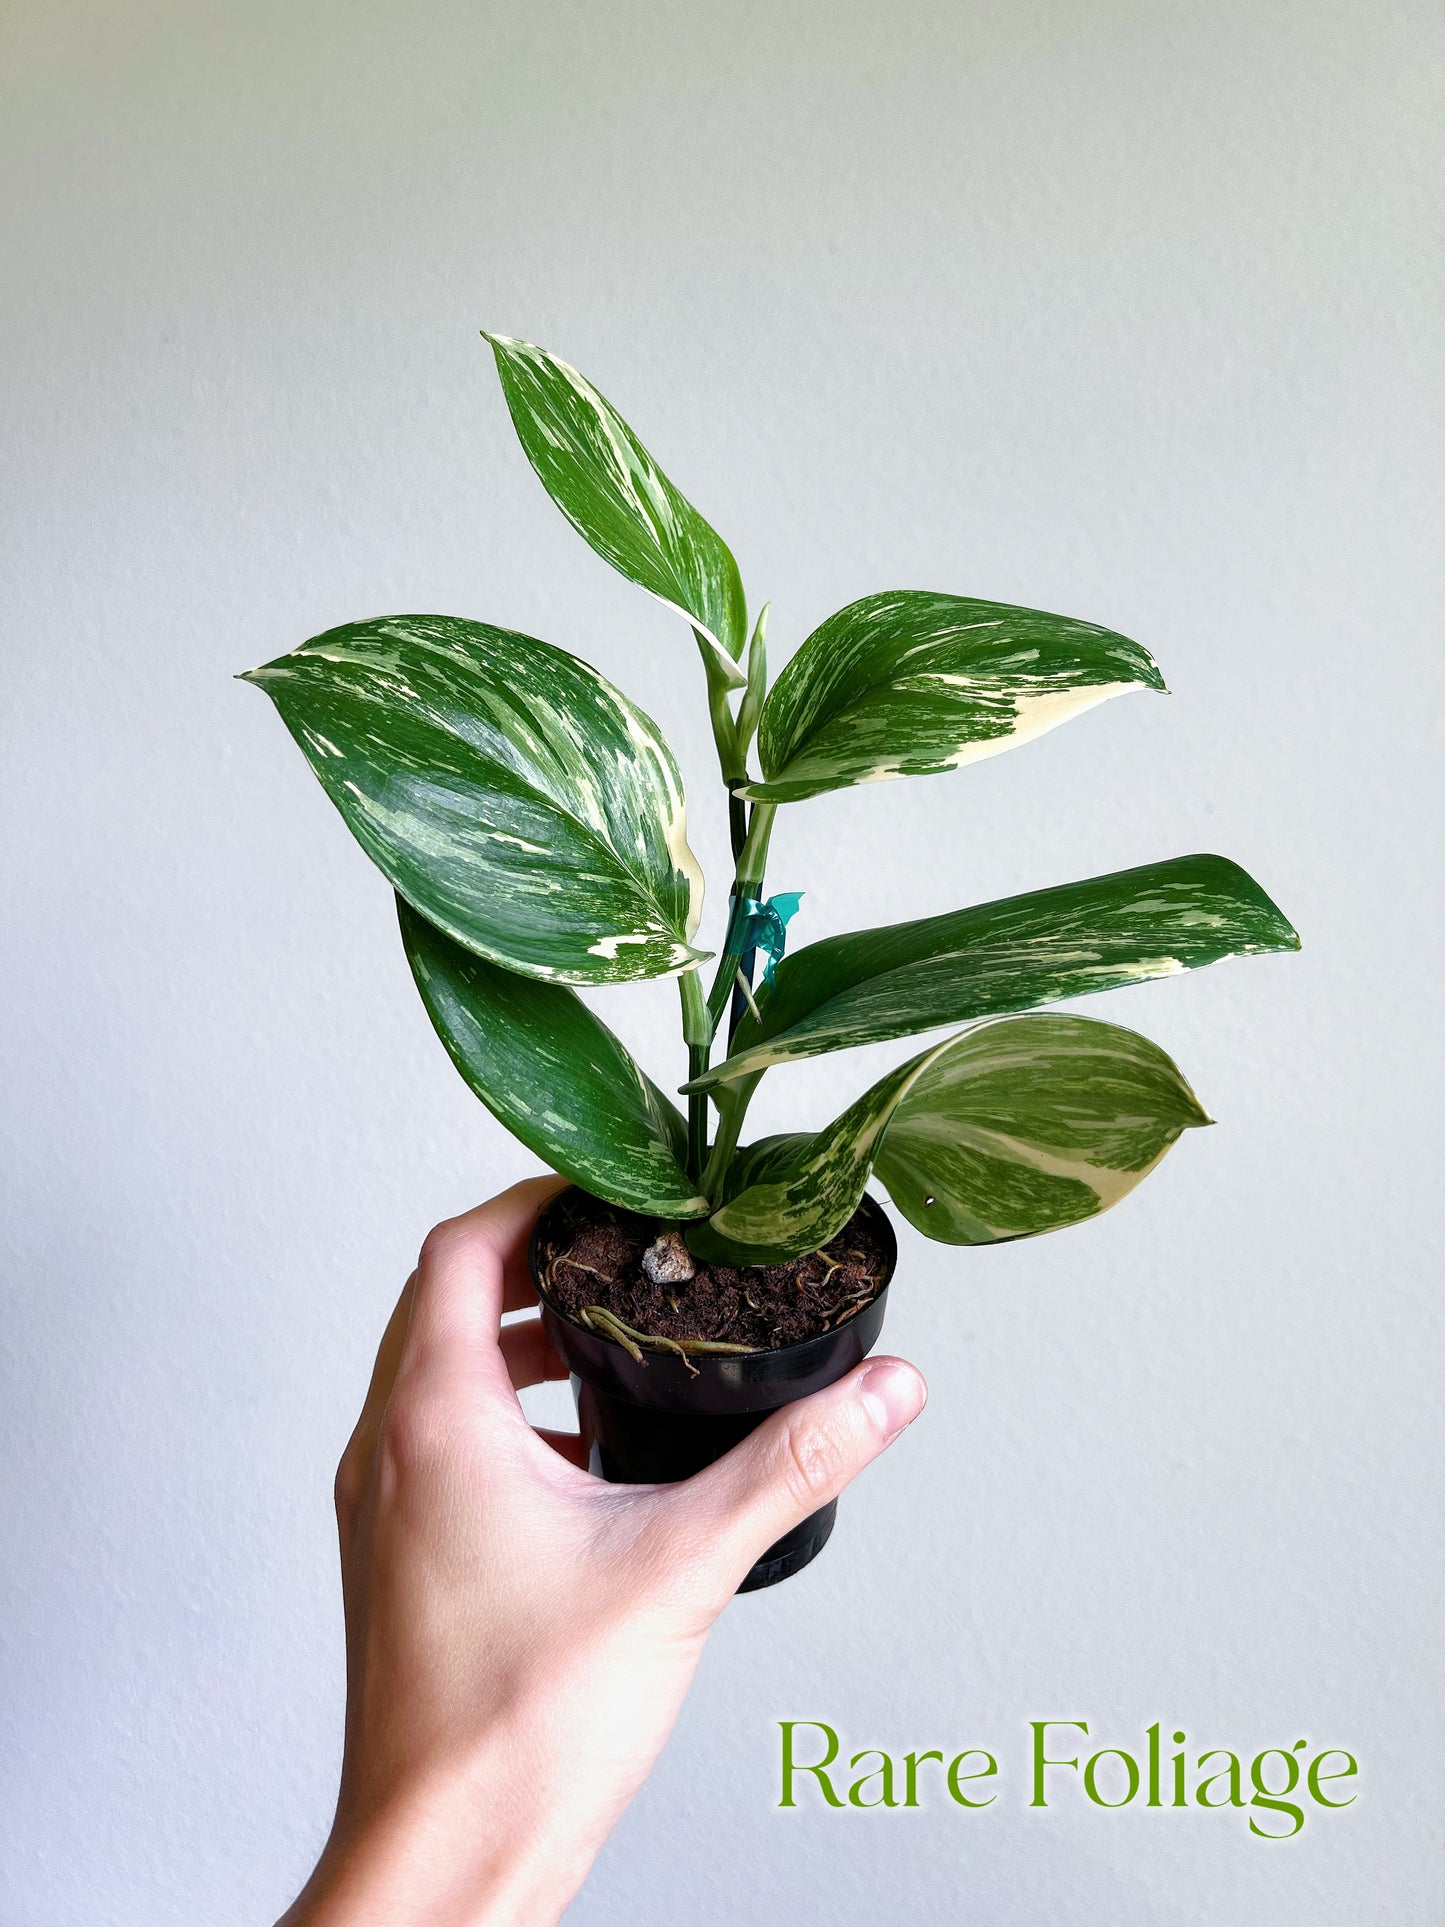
x,y
655,1421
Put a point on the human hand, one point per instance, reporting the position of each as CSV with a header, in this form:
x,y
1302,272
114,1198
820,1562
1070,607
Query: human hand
x,y
519,1634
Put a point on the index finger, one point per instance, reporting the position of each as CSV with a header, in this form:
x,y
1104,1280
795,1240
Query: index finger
x,y
472,1268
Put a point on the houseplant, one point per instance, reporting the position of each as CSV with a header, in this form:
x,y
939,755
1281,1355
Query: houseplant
x,y
531,820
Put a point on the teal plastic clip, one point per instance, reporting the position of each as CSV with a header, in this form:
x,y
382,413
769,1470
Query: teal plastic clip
x,y
765,926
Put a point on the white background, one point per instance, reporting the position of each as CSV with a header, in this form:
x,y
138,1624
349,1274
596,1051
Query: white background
x,y
1127,310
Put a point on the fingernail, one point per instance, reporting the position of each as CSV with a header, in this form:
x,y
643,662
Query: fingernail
x,y
894,1395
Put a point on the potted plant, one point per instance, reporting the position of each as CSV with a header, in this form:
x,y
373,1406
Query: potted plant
x,y
531,821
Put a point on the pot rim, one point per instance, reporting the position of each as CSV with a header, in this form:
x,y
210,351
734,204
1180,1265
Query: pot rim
x,y
781,1352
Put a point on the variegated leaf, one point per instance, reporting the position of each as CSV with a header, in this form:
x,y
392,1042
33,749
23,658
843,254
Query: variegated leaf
x,y
908,683
1009,955
790,1195
618,499
1031,1123
506,789
555,1075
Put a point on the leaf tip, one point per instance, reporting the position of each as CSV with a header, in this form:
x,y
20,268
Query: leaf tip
x,y
1147,673
1283,935
502,347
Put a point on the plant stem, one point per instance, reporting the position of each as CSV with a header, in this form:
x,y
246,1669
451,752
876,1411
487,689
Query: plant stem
x,y
697,1055
746,964
749,832
697,1033
732,1100
732,1103
754,858
737,824
731,760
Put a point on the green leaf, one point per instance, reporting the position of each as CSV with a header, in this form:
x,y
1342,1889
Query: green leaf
x,y
789,1195
618,499
506,789
555,1075
1009,955
908,683
1028,1124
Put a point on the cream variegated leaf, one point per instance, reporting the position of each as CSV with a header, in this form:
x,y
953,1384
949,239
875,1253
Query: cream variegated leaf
x,y
908,683
505,788
1099,934
1028,1124
789,1195
1007,1130
620,502
555,1075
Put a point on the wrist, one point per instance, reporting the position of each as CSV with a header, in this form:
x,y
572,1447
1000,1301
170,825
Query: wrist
x,y
456,1849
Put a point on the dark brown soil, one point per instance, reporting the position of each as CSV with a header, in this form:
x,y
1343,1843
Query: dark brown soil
x,y
590,1254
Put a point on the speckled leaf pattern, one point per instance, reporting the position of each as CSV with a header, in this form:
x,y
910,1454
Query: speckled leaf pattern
x,y
554,1075
618,499
790,1195
1028,1124
1009,955
523,804
908,683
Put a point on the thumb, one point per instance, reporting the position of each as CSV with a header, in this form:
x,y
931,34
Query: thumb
x,y
795,1462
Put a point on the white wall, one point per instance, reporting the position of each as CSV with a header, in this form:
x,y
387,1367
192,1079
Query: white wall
x,y
1125,309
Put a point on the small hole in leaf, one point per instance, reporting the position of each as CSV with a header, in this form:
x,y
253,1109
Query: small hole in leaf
x,y
927,1203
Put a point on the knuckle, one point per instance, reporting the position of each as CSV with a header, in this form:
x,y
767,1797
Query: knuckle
x,y
346,1488
454,1241
813,1461
410,1439
439,1245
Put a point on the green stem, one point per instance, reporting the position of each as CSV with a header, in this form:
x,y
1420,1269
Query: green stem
x,y
731,751
749,832
737,824
731,759
732,1103
742,999
697,1033
697,1056
754,859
